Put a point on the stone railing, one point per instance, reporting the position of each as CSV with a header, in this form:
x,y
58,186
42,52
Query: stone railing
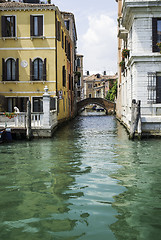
x,y
53,118
37,119
19,121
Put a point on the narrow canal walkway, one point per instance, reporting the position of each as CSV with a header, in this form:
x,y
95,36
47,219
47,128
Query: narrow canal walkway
x,y
88,182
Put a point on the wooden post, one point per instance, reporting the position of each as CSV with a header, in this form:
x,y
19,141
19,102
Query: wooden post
x,y
28,121
135,119
132,127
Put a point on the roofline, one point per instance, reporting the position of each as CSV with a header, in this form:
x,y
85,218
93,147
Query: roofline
x,y
14,6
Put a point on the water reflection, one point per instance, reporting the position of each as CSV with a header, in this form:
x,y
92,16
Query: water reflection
x,y
139,206
36,183
89,182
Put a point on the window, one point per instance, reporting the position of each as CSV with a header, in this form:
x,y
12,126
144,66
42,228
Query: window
x,y
52,103
78,62
154,87
36,26
158,88
8,26
152,79
38,70
62,39
20,102
58,29
37,103
70,82
10,69
90,85
68,51
67,24
64,76
90,95
156,33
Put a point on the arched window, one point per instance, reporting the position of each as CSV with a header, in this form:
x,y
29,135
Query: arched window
x,y
38,69
11,69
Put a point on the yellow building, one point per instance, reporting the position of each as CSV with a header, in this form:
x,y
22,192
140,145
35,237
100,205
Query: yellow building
x,y
35,50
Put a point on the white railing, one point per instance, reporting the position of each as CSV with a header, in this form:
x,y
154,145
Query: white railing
x,y
16,121
37,119
19,121
53,118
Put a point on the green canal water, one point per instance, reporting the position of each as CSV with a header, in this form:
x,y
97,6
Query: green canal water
x,y
89,182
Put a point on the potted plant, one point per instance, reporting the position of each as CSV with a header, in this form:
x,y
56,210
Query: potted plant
x,y
122,65
159,45
10,115
125,53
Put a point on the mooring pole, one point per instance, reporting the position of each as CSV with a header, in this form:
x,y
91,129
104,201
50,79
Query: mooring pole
x,y
135,119
28,121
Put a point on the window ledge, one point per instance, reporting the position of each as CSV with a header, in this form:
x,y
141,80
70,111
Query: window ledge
x,y
37,37
38,81
9,81
9,38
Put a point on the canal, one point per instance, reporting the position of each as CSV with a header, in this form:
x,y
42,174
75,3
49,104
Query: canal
x,y
88,182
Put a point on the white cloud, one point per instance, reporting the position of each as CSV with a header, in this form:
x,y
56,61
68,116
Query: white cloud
x,y
99,44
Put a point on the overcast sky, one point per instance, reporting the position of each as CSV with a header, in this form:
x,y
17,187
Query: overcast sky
x,y
96,23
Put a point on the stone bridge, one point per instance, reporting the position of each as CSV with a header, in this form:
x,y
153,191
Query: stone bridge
x,y
106,104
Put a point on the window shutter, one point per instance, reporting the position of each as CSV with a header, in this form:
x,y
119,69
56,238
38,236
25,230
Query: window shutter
x,y
40,25
17,69
44,70
69,51
56,25
154,35
14,27
3,27
64,76
59,29
4,70
31,70
65,44
31,25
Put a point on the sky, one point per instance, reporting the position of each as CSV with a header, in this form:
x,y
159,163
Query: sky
x,y
96,24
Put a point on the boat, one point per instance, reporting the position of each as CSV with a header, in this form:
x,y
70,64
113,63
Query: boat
x,y
5,135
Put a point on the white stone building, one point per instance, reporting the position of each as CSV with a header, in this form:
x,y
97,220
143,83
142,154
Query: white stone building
x,y
139,32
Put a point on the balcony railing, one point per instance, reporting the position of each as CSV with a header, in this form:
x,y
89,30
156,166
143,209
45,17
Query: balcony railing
x,y
19,121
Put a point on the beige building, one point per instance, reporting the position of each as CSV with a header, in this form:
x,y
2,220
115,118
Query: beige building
x,y
97,85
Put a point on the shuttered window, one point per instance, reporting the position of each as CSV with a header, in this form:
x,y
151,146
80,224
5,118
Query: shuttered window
x,y
156,34
10,70
58,30
62,39
36,26
38,70
8,26
64,76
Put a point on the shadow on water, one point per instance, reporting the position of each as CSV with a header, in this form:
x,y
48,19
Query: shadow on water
x,y
139,206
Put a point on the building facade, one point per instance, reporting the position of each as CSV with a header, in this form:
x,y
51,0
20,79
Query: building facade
x,y
79,77
97,85
36,51
139,59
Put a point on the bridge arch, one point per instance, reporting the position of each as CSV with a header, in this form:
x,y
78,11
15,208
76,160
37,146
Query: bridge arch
x,y
106,104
